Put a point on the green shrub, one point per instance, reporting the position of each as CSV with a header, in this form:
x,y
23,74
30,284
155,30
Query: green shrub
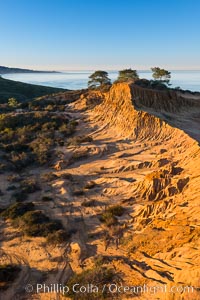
x,y
77,140
109,216
88,203
35,223
30,137
47,198
8,273
66,176
152,84
78,192
65,129
40,229
14,178
20,196
99,276
11,188
41,148
19,159
29,186
3,167
49,176
17,209
100,260
58,237
116,210
73,123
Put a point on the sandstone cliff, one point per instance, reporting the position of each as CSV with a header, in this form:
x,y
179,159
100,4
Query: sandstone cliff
x,y
138,149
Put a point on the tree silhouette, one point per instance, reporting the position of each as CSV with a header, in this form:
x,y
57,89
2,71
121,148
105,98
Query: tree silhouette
x,y
99,79
127,75
161,74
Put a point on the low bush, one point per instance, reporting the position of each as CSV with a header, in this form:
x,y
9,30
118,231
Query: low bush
x,y
8,273
100,260
88,203
41,147
3,167
49,176
152,84
16,210
77,140
66,176
32,136
98,276
66,129
11,188
35,223
58,237
109,216
14,178
17,158
78,192
29,186
116,210
20,196
47,198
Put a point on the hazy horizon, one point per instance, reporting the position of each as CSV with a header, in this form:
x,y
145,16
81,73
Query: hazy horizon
x,y
70,79
92,69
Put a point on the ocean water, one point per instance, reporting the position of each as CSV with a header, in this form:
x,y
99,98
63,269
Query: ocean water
x,y
187,80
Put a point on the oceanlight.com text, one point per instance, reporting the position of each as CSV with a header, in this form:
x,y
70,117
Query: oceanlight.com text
x,y
112,288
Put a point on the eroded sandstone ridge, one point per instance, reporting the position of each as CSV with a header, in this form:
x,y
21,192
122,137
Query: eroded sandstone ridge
x,y
127,190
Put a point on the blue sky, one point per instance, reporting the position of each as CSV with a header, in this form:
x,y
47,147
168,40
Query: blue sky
x,y
100,34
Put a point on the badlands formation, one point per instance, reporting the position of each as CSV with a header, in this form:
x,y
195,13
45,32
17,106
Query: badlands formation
x,y
142,155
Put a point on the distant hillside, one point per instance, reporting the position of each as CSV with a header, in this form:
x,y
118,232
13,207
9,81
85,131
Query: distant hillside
x,y
6,70
23,91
